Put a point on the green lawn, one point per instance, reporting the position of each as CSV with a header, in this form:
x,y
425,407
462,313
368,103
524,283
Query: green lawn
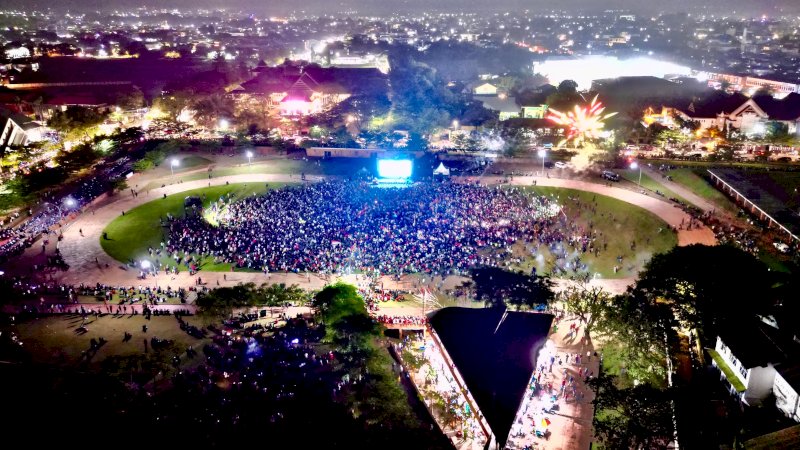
x,y
618,223
191,162
130,235
650,184
691,179
282,166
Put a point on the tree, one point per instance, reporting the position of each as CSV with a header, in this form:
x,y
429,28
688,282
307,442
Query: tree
x,y
209,110
173,103
220,303
497,287
280,294
589,303
633,330
704,285
638,417
565,97
78,158
118,185
670,138
344,313
77,122
133,99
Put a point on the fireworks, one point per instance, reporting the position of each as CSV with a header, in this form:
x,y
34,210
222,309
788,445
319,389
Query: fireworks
x,y
583,123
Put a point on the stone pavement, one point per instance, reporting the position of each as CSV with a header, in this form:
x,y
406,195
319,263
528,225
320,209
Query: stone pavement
x,y
571,422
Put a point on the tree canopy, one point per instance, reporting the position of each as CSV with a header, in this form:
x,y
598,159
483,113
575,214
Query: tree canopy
x,y
707,284
498,287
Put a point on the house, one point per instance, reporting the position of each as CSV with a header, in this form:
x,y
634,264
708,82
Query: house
x,y
485,89
18,130
757,361
506,107
534,112
298,89
750,116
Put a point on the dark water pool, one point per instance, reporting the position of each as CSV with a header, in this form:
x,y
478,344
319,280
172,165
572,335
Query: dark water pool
x,y
495,351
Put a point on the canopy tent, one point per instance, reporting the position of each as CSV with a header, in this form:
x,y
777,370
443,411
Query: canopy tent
x,y
442,170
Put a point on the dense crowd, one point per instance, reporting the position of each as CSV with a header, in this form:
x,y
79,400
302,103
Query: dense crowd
x,y
17,235
340,226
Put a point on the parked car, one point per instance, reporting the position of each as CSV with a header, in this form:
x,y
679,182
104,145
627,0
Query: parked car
x,y
609,175
561,165
549,164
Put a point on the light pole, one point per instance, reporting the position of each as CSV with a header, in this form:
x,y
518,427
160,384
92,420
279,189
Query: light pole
x,y
173,163
249,157
542,154
634,166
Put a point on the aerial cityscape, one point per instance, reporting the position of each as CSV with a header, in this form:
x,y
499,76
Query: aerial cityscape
x,y
400,225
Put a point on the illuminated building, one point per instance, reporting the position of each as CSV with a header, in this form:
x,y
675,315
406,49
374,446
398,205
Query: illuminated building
x,y
296,90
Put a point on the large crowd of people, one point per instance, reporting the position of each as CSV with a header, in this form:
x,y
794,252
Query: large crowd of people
x,y
340,226
20,233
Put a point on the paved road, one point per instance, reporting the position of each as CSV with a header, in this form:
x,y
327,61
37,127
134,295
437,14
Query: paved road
x,y
667,211
89,263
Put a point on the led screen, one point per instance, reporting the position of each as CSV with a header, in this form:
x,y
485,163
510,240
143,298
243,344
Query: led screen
x,y
394,168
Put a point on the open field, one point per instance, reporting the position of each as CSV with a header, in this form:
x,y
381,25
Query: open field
x,y
55,340
617,223
282,166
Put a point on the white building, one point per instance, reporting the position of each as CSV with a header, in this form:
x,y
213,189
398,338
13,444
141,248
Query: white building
x,y
750,117
757,362
787,384
19,130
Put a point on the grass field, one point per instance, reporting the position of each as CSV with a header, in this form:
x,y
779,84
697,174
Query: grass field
x,y
650,184
692,180
53,339
191,162
130,235
283,166
618,223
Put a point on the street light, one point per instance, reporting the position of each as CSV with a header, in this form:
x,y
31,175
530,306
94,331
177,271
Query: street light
x,y
249,157
173,163
635,166
70,202
542,154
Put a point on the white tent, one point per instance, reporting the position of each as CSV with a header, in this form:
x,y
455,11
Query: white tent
x,y
442,170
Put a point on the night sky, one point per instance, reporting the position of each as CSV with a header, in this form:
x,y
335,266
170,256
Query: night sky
x,y
748,7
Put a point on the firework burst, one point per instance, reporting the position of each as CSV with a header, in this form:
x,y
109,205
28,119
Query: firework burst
x,y
582,123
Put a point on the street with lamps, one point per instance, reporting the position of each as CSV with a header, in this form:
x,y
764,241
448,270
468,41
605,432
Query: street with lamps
x,y
173,163
634,166
542,154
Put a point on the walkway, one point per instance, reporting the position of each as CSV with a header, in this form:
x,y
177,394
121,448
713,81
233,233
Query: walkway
x,y
89,263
